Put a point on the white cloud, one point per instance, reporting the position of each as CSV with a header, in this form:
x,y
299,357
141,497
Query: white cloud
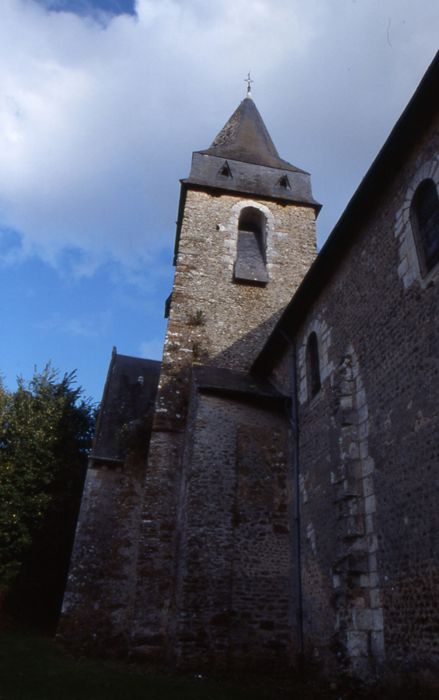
x,y
97,123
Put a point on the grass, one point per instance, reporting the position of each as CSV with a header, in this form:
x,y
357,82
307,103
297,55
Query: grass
x,y
33,668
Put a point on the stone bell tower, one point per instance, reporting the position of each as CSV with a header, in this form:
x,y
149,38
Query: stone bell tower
x,y
245,239
185,554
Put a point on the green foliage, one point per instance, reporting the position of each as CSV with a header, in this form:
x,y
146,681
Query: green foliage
x,y
45,429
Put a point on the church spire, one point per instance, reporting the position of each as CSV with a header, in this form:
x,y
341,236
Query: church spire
x,y
245,137
243,158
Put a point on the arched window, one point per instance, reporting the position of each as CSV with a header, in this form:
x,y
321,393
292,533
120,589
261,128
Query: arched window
x,y
250,265
425,223
312,366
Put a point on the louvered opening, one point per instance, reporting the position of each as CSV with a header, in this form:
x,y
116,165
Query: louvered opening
x,y
250,265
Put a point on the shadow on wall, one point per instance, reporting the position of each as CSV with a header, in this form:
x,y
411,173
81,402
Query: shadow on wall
x,y
237,355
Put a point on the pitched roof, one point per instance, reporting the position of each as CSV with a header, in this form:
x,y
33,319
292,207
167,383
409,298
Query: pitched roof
x,y
417,116
129,396
243,160
227,382
245,138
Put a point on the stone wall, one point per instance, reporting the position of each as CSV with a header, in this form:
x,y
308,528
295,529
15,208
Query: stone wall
x,y
98,603
368,446
234,600
193,559
214,321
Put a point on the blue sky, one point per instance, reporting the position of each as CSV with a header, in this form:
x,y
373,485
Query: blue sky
x,y
101,106
90,7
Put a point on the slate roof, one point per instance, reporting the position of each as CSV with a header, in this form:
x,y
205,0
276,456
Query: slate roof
x,y
227,382
245,138
243,159
129,396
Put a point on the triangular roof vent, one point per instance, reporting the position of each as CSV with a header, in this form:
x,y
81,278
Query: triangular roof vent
x,y
225,171
284,182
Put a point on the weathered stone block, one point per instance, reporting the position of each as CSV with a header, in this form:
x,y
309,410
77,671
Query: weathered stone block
x,y
362,619
357,643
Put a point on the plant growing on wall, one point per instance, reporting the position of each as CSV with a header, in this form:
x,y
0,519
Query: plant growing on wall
x,y
197,318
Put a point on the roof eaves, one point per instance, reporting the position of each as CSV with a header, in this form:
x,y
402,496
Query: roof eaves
x,y
280,163
189,184
415,117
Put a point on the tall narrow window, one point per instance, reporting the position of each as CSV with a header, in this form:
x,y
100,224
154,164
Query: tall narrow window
x,y
425,223
312,366
250,265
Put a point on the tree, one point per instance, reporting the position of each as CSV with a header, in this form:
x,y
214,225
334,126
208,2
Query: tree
x,y
45,434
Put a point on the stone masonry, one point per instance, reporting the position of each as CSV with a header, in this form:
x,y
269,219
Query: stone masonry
x,y
368,454
278,498
213,321
210,577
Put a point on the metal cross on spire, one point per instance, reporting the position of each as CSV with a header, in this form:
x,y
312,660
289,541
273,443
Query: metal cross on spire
x,y
249,81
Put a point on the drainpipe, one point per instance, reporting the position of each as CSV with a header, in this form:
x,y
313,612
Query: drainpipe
x,y
297,521
294,424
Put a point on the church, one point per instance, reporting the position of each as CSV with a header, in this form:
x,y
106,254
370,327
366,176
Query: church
x,y
268,492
